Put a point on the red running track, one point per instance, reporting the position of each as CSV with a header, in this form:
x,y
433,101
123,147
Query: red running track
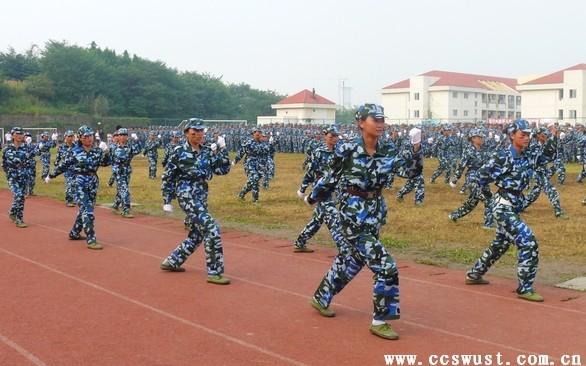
x,y
62,304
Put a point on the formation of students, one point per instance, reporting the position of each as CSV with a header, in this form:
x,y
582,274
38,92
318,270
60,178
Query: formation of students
x,y
348,173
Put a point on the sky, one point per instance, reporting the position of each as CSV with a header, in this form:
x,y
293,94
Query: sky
x,y
288,46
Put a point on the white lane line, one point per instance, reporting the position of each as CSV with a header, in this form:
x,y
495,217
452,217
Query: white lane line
x,y
23,352
159,311
306,297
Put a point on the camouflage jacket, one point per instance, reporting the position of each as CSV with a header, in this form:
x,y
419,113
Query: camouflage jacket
x,y
168,151
151,146
254,153
188,171
351,169
82,162
510,172
122,156
14,160
317,163
472,159
46,146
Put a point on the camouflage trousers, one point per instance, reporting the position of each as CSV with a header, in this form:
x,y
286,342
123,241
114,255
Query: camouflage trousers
x,y
542,183
31,180
560,169
445,166
17,187
582,174
122,198
416,183
365,250
511,230
268,174
470,204
86,189
152,166
203,228
45,163
69,187
325,211
252,183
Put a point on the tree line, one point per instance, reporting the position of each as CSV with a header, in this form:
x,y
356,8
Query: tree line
x,y
63,78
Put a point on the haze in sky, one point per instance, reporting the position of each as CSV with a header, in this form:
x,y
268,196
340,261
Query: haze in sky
x,y
288,46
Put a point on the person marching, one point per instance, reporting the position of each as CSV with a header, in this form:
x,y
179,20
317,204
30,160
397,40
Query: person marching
x,y
509,169
325,211
45,146
31,164
122,154
446,146
472,159
543,152
14,162
254,152
62,152
359,169
416,182
83,160
186,177
151,152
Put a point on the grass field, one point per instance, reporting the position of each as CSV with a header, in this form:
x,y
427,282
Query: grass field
x,y
423,234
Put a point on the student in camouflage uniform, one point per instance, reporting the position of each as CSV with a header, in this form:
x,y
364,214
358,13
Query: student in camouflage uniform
x,y
62,152
325,211
45,146
152,153
175,141
187,172
446,146
510,171
113,144
269,166
542,152
359,169
416,182
558,166
472,159
580,137
255,153
83,161
14,160
31,164
122,154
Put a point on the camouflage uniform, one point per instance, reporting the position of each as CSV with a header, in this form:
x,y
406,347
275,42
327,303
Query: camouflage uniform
x,y
122,156
62,152
152,153
45,147
186,175
541,155
84,166
414,182
255,154
362,211
446,152
472,159
510,172
14,161
31,168
269,171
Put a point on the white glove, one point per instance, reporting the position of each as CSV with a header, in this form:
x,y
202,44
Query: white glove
x,y
271,139
41,145
233,163
28,140
168,207
221,142
452,184
300,194
159,135
277,133
134,136
214,147
103,146
47,179
54,136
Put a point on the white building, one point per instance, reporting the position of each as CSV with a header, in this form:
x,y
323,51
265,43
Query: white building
x,y
305,107
560,95
451,96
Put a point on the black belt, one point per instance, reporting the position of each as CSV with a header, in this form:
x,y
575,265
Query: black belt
x,y
364,194
508,191
86,173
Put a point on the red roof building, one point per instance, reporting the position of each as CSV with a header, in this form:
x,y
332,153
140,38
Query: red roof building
x,y
305,107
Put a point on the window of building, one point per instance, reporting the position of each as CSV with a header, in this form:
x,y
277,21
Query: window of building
x,y
561,94
560,114
483,98
476,103
416,96
455,112
416,113
476,95
465,95
454,94
501,114
511,101
511,115
476,112
572,93
573,113
314,110
518,115
501,99
518,101
465,113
